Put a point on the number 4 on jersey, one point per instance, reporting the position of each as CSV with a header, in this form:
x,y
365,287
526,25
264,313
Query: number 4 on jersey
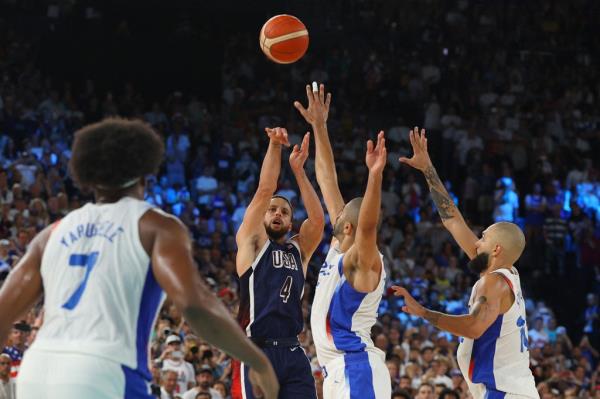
x,y
286,289
80,260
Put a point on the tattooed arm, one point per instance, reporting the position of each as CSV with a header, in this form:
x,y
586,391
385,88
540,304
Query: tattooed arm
x,y
486,309
451,216
445,206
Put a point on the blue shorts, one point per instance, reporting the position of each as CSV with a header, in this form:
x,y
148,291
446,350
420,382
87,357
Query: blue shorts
x,y
293,372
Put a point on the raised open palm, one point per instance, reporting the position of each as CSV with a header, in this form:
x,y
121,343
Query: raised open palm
x,y
376,156
318,105
299,155
420,159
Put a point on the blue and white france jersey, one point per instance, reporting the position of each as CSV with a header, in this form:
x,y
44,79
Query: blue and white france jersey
x,y
100,295
341,317
497,363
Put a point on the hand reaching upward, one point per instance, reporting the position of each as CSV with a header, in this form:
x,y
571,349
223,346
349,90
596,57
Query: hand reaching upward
x,y
278,135
299,155
420,159
376,155
318,105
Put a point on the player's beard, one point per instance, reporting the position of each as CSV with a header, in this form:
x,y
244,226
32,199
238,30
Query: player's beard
x,y
338,229
479,264
275,234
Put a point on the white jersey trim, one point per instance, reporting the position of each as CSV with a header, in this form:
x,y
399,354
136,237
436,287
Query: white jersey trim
x,y
251,286
260,254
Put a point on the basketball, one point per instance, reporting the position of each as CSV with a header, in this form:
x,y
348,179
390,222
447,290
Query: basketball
x,y
284,39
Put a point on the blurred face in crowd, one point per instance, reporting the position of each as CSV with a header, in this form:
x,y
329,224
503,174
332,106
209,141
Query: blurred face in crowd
x,y
413,370
425,392
204,379
580,373
220,387
53,204
23,238
393,368
155,371
414,355
394,335
4,246
381,342
405,382
176,353
18,337
169,381
4,366
164,328
443,368
427,355
278,219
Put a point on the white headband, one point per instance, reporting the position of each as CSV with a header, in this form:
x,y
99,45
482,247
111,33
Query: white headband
x,y
127,184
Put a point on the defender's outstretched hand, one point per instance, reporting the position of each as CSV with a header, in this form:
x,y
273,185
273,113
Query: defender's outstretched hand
x,y
376,155
318,105
411,306
299,155
420,159
278,135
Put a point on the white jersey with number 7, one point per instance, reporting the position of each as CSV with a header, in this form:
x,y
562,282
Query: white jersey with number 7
x,y
100,295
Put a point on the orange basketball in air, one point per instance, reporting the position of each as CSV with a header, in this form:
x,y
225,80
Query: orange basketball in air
x,y
284,39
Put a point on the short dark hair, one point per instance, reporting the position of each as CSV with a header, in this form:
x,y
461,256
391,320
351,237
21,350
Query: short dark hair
x,y
283,198
203,395
112,152
288,202
450,392
426,348
401,393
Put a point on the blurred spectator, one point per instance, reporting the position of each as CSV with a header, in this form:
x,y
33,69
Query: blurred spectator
x,y
169,385
7,385
18,345
173,360
204,381
592,320
555,233
425,391
5,259
506,201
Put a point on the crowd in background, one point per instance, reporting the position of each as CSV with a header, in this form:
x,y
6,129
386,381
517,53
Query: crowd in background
x,y
509,95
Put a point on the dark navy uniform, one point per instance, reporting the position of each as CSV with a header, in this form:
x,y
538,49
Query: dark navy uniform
x,y
271,314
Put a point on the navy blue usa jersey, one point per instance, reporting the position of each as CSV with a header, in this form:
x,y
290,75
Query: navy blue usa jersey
x,y
271,292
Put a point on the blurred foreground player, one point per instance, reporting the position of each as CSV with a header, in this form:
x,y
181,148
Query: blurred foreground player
x,y
352,279
102,270
493,352
272,269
